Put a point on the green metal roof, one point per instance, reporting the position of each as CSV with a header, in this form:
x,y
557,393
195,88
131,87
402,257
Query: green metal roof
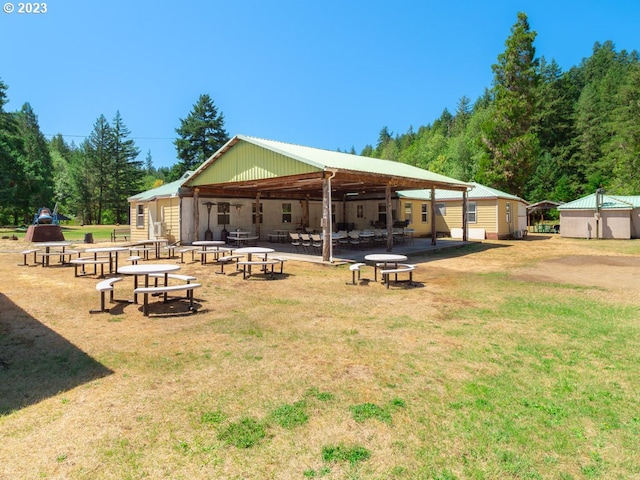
x,y
319,159
477,192
608,203
166,190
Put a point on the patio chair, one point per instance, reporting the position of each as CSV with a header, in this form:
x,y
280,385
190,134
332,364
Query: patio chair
x,y
294,239
354,238
316,242
305,241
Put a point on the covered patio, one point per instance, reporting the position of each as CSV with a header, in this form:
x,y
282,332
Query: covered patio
x,y
258,169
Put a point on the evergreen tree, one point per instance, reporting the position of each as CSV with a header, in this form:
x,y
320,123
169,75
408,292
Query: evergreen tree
x,y
93,176
126,176
201,134
11,173
624,146
511,146
61,155
37,188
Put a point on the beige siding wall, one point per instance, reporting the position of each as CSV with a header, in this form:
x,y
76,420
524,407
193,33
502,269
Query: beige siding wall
x,y
582,224
420,228
139,233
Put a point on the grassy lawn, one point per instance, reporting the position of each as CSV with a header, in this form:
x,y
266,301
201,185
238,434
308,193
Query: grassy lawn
x,y
480,372
73,233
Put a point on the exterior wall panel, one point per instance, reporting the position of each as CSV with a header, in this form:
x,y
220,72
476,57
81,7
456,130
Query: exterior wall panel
x,y
245,162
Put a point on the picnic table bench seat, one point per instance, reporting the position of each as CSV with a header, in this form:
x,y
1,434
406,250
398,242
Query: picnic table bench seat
x,y
400,268
269,262
355,268
146,291
26,253
184,250
227,259
61,254
173,276
103,287
81,262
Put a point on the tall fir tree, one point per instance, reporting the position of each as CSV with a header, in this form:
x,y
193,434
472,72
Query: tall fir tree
x,y
11,174
201,134
511,145
37,188
126,176
94,177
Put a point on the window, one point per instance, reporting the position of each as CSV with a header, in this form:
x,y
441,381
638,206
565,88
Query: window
x,y
471,212
382,213
408,212
424,212
140,216
223,213
286,213
509,212
253,213
360,211
441,209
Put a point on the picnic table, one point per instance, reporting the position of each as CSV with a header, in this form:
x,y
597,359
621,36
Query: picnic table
x,y
145,270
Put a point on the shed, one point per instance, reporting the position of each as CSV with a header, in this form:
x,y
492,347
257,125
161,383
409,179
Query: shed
x,y
491,213
601,216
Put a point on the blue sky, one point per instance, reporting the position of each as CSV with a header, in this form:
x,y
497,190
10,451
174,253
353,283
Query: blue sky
x,y
327,74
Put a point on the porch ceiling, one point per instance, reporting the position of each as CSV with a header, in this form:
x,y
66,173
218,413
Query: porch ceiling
x,y
309,186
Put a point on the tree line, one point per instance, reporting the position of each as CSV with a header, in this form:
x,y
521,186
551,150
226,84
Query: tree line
x,y
538,132
91,181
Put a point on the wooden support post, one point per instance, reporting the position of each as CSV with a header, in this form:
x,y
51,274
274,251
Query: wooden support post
x,y
196,213
326,216
465,220
387,194
434,232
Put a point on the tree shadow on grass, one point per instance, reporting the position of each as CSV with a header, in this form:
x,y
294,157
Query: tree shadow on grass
x,y
36,362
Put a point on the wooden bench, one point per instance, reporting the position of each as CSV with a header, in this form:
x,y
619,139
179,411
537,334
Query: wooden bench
x,y
120,232
246,266
355,267
81,262
25,253
146,291
103,287
400,268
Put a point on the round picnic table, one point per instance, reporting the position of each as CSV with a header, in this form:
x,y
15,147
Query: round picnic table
x,y
385,259
250,251
211,246
146,270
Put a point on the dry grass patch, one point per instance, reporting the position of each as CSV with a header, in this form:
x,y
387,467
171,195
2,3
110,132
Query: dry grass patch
x,y
483,371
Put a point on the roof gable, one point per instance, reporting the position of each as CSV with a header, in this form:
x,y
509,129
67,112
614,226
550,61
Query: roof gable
x,y
246,159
